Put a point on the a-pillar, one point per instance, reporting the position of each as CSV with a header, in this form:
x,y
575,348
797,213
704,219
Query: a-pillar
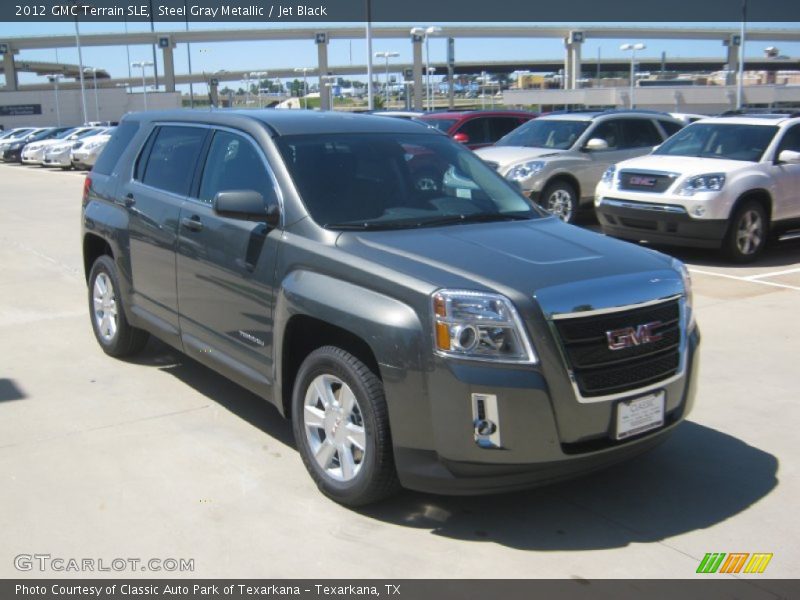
x,y
167,46
732,44
9,68
572,60
416,41
321,40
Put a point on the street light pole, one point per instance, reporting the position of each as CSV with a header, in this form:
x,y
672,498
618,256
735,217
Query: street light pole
x,y
93,71
80,68
142,64
304,71
428,32
330,83
740,74
259,75
387,56
632,48
54,80
370,98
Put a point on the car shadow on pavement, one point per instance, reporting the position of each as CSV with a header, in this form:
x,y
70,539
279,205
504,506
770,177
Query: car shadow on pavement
x,y
244,404
696,479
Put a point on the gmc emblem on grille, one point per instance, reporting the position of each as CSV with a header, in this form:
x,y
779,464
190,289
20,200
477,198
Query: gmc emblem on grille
x,y
627,337
641,180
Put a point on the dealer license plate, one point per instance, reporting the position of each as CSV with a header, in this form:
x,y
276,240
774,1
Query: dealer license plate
x,y
639,415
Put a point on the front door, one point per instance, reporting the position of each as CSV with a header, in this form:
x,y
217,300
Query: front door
x,y
226,266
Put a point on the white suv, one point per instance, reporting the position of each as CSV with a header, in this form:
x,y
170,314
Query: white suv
x,y
725,182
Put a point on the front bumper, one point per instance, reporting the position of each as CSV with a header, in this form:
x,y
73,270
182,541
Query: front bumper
x,y
33,157
57,159
658,224
83,159
11,155
535,449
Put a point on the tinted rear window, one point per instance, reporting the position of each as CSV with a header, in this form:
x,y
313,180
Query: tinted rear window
x,y
115,147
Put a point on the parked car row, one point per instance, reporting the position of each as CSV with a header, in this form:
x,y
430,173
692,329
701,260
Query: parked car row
x,y
65,147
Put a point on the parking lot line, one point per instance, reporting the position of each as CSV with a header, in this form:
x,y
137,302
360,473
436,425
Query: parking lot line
x,y
748,279
773,274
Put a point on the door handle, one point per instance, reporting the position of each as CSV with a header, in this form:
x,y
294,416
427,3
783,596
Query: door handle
x,y
127,201
192,223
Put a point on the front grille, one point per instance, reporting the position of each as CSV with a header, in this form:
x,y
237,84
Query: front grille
x,y
599,371
639,181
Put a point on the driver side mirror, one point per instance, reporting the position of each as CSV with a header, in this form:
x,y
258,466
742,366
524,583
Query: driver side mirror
x,y
595,144
246,205
461,138
789,157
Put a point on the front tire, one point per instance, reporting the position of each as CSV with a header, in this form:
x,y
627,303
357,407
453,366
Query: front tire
x,y
748,232
111,328
560,199
341,428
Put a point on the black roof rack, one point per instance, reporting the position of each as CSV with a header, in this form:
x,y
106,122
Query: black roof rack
x,y
776,113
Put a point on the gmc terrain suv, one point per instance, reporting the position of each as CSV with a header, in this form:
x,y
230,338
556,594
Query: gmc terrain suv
x,y
450,338
558,159
720,183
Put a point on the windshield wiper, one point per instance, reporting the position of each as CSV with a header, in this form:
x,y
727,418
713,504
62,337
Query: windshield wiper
x,y
473,218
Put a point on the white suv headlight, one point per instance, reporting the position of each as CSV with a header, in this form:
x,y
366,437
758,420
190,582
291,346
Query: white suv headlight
x,y
479,326
710,182
523,171
608,175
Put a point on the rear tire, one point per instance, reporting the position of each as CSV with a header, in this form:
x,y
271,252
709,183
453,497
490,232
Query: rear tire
x,y
748,232
111,328
341,428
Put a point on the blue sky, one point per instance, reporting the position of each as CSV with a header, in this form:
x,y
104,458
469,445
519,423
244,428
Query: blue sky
x,y
261,56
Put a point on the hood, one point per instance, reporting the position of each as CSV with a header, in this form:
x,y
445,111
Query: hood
x,y
543,258
683,165
505,156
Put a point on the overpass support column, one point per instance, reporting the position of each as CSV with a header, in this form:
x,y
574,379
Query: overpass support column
x,y
321,39
416,40
167,46
9,69
732,44
572,64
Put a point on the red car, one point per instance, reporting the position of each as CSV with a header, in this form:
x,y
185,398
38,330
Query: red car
x,y
477,128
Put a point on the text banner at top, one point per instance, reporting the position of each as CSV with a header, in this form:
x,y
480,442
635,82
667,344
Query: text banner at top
x,y
400,11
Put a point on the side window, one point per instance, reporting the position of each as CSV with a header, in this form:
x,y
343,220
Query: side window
x,y
500,126
476,131
173,156
670,127
233,163
790,141
639,133
115,147
608,131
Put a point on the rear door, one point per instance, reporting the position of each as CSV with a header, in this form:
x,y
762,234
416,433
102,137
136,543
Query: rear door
x,y
225,267
153,197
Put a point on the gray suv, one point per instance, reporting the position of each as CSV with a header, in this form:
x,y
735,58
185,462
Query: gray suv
x,y
558,159
451,338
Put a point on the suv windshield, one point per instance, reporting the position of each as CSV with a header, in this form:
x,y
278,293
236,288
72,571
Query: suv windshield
x,y
397,181
720,140
545,133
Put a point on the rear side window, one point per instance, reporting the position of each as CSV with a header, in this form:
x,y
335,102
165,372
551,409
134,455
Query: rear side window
x,y
670,127
115,147
173,156
233,163
639,133
476,130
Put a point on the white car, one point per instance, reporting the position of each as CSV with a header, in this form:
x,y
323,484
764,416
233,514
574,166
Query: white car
x,y
725,182
84,153
60,154
33,154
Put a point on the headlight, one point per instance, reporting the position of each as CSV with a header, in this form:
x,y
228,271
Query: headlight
x,y
608,175
479,326
687,286
711,182
525,170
